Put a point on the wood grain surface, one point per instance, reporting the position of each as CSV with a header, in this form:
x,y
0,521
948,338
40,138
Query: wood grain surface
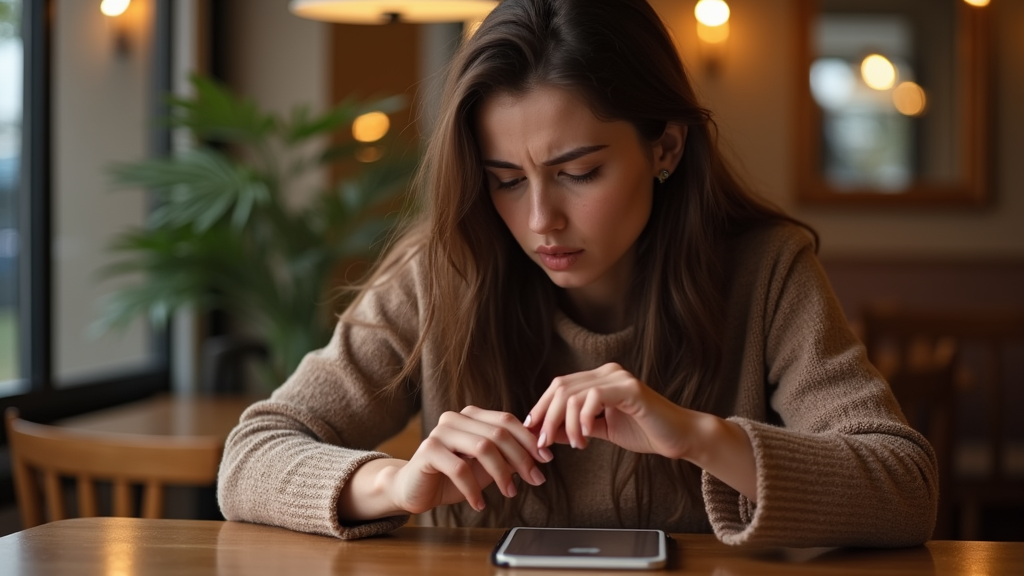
x,y
124,546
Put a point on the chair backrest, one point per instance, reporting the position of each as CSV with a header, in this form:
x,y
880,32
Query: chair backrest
x,y
50,453
937,362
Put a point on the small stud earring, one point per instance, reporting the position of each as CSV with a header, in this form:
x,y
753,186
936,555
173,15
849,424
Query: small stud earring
x,y
663,175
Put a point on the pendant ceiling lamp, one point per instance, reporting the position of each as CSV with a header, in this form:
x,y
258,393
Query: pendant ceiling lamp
x,y
386,11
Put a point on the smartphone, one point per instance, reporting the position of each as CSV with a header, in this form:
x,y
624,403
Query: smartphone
x,y
581,548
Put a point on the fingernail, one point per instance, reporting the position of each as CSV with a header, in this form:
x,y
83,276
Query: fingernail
x,y
586,432
529,418
479,506
511,490
546,454
572,444
543,438
538,477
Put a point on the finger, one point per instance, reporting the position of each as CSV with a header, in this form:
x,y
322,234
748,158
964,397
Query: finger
x,y
535,417
485,452
573,405
487,424
593,407
554,417
438,459
537,414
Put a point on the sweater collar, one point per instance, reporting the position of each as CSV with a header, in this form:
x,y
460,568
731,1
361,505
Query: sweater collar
x,y
593,348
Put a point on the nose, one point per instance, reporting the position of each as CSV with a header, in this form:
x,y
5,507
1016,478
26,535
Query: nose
x,y
546,212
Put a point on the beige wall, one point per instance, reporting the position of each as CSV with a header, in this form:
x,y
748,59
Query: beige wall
x,y
752,101
281,59
100,116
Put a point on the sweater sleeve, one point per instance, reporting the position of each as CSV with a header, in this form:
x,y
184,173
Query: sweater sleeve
x,y
286,462
843,468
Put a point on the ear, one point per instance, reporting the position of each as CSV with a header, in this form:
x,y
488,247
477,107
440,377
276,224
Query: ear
x,y
668,149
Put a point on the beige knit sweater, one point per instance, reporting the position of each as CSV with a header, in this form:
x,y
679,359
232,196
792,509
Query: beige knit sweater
x,y
836,462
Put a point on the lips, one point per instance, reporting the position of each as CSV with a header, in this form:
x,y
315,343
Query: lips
x,y
557,258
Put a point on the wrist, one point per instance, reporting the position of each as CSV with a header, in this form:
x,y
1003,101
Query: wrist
x,y
723,449
384,483
367,495
704,433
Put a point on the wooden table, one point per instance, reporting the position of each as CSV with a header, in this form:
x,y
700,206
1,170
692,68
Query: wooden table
x,y
166,415
125,546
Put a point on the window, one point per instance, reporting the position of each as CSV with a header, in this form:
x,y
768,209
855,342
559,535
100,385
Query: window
x,y
77,93
11,74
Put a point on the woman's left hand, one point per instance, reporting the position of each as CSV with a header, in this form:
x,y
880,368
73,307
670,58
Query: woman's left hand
x,y
611,404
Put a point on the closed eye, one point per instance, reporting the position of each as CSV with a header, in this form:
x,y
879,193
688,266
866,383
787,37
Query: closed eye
x,y
582,178
508,184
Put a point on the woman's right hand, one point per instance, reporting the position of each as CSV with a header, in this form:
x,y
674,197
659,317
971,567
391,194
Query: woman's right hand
x,y
465,453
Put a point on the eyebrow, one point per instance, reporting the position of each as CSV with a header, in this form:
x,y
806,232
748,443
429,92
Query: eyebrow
x,y
560,159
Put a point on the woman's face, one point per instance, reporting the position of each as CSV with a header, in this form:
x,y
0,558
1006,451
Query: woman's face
x,y
575,191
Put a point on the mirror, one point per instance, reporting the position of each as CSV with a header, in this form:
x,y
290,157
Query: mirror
x,y
892,100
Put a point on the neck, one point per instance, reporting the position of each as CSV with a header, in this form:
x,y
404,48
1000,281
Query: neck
x,y
604,306
596,316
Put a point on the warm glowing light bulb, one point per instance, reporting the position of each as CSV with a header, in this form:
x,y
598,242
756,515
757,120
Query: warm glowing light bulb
x,y
370,127
878,72
909,99
978,3
114,7
712,12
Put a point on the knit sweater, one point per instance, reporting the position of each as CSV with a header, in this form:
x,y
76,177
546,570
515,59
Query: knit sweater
x,y
836,462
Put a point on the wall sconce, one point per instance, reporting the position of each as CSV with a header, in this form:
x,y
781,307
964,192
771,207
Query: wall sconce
x,y
390,11
978,3
713,32
115,9
367,129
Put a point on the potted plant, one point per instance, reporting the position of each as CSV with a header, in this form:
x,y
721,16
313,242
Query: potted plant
x,y
224,236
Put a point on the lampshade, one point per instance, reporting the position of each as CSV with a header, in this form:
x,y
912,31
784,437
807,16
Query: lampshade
x,y
384,11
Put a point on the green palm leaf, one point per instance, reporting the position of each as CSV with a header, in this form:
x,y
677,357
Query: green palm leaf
x,y
224,236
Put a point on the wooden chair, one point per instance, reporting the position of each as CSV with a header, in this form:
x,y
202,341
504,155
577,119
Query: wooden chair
x,y
935,361
50,453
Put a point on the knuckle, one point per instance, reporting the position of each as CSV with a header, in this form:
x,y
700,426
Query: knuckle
x,y
469,410
507,418
460,468
558,383
499,435
446,418
484,446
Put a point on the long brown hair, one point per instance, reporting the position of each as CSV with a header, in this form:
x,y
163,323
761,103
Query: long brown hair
x,y
491,306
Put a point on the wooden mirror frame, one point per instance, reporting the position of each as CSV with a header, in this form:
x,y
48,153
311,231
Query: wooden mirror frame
x,y
972,188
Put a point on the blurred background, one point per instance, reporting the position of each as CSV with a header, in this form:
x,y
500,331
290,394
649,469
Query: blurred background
x,y
894,128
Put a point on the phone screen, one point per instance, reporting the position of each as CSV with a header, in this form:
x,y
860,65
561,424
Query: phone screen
x,y
567,542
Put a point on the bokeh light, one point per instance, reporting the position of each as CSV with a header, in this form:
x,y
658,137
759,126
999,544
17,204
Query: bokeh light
x,y
370,127
114,7
878,72
909,99
711,12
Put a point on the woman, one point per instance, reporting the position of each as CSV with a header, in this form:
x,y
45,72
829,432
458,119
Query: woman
x,y
599,325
